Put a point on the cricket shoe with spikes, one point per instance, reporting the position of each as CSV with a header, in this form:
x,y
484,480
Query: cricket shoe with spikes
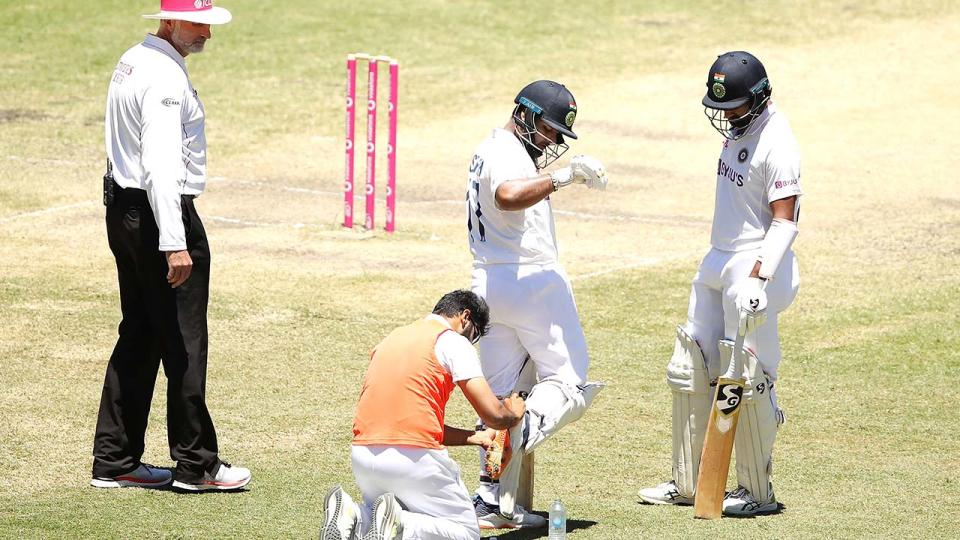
x,y
665,493
386,519
740,502
489,517
341,516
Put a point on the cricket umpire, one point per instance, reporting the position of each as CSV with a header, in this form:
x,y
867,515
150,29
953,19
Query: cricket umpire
x,y
157,154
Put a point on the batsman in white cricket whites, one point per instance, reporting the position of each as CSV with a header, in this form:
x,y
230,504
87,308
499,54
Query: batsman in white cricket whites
x,y
511,233
750,268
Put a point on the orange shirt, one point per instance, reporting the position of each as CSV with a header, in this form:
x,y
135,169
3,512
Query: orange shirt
x,y
405,390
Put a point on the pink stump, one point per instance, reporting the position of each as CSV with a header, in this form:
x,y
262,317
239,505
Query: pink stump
x,y
392,150
371,143
348,167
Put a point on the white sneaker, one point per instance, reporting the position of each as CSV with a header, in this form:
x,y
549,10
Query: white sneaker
x,y
341,519
145,476
228,477
489,517
386,519
740,502
665,493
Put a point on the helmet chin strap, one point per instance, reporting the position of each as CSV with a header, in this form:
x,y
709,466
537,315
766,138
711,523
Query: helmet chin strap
x,y
735,128
531,149
525,129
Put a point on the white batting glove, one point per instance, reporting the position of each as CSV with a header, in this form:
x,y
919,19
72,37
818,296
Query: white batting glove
x,y
582,170
752,305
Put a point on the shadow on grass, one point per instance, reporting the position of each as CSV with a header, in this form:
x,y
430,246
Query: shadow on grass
x,y
527,534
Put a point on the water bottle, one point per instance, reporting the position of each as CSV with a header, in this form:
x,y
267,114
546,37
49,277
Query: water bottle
x,y
557,526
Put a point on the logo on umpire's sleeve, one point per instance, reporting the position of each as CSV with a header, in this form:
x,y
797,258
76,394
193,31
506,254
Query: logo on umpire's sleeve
x,y
743,155
170,102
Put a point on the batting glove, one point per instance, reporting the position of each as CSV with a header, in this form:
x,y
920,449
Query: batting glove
x,y
752,305
582,170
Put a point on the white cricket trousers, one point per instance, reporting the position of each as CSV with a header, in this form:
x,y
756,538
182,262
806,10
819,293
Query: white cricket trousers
x,y
426,483
532,311
712,313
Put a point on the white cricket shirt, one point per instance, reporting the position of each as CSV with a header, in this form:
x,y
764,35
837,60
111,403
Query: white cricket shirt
x,y
497,236
456,354
154,133
752,172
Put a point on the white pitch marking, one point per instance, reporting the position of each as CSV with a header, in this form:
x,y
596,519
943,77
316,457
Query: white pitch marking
x,y
257,183
249,223
45,211
647,261
48,160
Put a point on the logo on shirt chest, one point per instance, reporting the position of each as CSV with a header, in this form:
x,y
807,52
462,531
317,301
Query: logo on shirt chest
x,y
728,172
170,102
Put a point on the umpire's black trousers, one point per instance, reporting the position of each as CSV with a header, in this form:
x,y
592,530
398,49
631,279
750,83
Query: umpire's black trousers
x,y
160,324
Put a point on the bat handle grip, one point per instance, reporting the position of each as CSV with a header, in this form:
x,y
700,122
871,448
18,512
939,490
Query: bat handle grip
x,y
735,369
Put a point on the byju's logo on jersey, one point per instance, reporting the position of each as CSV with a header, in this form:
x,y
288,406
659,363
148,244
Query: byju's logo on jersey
x,y
728,172
784,183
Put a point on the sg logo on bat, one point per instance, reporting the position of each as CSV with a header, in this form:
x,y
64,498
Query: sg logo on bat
x,y
729,394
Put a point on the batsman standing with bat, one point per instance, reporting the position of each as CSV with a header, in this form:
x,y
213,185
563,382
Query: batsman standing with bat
x,y
746,279
533,317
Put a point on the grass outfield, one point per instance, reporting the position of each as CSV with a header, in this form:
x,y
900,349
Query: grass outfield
x,y
871,373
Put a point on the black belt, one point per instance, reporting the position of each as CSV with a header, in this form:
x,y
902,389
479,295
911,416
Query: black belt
x,y
129,196
136,196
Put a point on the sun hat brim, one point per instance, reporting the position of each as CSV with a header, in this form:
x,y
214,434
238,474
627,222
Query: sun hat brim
x,y
214,15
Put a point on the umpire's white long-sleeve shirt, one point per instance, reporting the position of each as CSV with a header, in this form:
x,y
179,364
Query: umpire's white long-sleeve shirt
x,y
154,133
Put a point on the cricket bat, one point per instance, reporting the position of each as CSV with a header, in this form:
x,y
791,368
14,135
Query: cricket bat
x,y
718,443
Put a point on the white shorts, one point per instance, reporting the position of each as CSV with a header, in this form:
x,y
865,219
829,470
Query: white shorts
x,y
712,313
426,483
532,312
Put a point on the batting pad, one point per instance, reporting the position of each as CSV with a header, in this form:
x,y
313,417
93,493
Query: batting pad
x,y
757,429
509,481
510,477
690,385
552,405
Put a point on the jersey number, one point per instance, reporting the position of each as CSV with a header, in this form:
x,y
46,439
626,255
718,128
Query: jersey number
x,y
473,200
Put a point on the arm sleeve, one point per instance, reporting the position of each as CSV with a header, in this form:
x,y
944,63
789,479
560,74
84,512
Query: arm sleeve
x,y
783,171
457,356
162,157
